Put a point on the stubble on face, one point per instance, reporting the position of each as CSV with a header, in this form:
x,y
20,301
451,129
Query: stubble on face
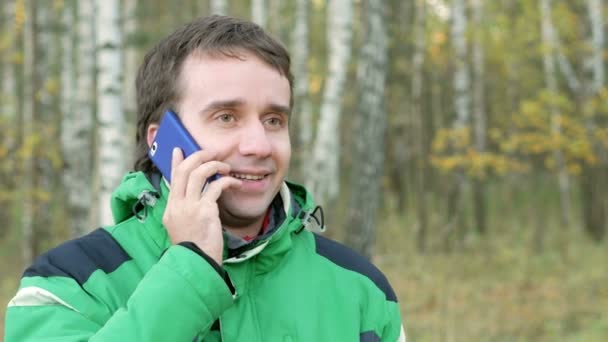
x,y
205,80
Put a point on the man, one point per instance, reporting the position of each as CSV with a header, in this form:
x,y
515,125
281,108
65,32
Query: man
x,y
233,262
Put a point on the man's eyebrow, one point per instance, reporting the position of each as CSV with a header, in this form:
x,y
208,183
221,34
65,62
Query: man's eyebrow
x,y
274,107
222,104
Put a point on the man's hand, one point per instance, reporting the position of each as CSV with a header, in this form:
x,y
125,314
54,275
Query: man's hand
x,y
192,214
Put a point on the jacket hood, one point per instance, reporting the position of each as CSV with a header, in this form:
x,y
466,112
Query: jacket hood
x,y
135,189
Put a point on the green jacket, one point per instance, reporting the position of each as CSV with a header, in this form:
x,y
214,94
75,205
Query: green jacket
x,y
128,283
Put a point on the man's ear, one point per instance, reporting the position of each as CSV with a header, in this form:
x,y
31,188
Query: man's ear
x,y
151,133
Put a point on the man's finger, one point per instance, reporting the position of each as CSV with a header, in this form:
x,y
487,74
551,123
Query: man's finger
x,y
200,175
177,183
214,189
181,168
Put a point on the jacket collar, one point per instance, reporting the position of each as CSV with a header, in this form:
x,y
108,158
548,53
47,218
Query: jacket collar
x,y
137,196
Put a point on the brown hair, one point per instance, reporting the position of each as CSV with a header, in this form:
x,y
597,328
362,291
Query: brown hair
x,y
218,36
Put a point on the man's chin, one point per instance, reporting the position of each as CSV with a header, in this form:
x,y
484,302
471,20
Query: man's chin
x,y
239,217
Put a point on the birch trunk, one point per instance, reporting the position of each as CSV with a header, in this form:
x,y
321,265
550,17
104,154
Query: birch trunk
x,y
259,12
479,114
461,68
110,163
219,7
368,151
30,108
595,10
302,106
77,124
462,105
131,63
324,173
417,84
549,42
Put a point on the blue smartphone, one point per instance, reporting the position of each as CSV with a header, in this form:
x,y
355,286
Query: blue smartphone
x,y
172,133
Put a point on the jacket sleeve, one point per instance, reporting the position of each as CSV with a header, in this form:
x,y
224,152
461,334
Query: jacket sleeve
x,y
393,330
180,297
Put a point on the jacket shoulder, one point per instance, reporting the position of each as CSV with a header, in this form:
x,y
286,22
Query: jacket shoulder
x,y
347,258
80,257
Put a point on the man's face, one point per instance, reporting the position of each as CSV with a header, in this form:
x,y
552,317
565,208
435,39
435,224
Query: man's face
x,y
239,109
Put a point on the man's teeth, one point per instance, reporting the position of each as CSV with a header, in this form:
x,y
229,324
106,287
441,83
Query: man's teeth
x,y
244,176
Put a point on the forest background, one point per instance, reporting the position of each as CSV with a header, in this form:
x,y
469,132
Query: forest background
x,y
460,144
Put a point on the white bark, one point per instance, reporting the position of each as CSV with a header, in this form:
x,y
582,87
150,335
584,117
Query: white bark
x,y
111,159
324,173
302,104
77,124
462,104
549,42
594,7
461,72
131,64
77,120
368,152
568,72
259,12
478,72
219,7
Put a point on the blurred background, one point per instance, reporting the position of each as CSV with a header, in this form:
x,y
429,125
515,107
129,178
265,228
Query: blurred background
x,y
460,144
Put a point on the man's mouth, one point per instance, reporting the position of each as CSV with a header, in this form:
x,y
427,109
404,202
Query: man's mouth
x,y
245,176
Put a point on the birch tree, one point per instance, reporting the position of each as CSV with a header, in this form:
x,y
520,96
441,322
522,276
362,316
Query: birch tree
x,y
461,67
368,151
462,103
111,160
324,166
219,7
76,125
595,12
549,44
131,63
302,104
77,108
479,198
259,12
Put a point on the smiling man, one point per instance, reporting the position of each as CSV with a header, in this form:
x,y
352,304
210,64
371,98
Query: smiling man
x,y
235,262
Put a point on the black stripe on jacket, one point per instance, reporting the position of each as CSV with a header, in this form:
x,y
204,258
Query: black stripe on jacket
x,y
79,258
351,260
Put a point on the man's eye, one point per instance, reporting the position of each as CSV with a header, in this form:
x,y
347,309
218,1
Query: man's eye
x,y
274,122
226,118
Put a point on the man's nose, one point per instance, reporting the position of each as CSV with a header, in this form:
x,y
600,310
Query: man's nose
x,y
255,141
